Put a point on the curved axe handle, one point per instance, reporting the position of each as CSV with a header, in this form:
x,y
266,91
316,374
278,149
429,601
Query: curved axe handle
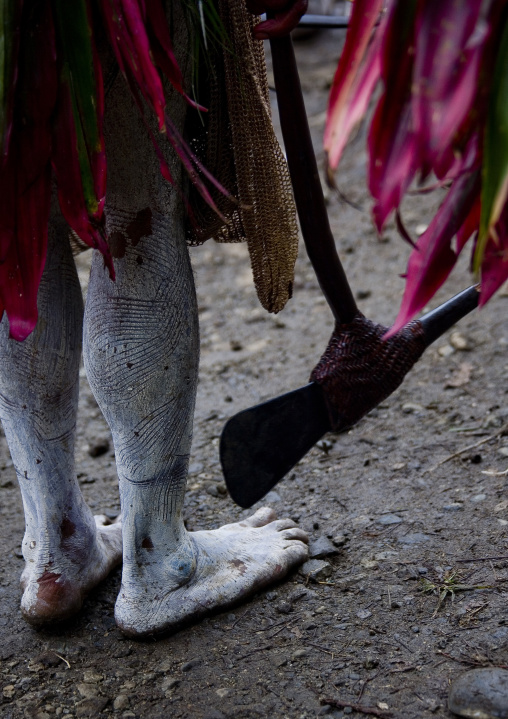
x,y
310,203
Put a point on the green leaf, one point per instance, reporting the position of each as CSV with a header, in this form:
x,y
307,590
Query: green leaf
x,y
495,153
74,34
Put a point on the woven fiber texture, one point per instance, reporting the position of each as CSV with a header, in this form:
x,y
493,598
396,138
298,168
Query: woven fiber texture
x,y
359,369
240,149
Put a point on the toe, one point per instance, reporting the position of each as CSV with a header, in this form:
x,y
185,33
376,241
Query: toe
x,y
263,516
296,533
284,523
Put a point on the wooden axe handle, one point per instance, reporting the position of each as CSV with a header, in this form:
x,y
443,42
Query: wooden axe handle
x,y
307,189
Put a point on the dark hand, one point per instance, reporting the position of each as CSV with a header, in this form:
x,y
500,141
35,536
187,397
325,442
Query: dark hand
x,y
286,15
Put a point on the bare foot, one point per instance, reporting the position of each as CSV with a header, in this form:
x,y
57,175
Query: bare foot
x,y
228,565
57,578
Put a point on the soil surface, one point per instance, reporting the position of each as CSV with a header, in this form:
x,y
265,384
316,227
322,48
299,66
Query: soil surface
x,y
412,501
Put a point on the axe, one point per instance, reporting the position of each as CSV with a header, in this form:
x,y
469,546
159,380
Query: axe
x,y
359,369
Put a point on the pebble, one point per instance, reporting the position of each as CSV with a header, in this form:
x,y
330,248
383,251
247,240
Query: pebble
x,y
121,702
284,607
459,342
222,693
481,693
169,683
454,507
411,407
316,569
389,519
91,707
87,691
445,350
190,665
321,547
503,451
340,539
478,497
299,654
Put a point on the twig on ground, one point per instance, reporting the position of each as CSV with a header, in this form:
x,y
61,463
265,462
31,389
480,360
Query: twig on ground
x,y
483,559
470,662
364,684
62,658
326,651
500,431
254,651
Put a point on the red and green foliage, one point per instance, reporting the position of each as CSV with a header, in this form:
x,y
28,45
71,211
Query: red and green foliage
x,y
51,125
442,111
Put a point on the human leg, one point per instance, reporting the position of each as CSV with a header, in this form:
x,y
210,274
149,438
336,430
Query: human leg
x,y
67,551
141,355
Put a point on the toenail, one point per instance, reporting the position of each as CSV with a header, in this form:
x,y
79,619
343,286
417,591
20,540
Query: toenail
x,y
33,544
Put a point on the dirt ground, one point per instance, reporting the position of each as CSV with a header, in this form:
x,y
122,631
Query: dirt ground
x,y
413,501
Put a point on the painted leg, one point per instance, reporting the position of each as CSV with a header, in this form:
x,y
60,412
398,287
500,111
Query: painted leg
x,y
67,551
141,355
141,350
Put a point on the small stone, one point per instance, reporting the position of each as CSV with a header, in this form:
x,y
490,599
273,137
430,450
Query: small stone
x,y
453,507
169,683
389,519
121,702
370,663
411,408
98,447
299,654
317,570
284,607
478,497
212,490
92,677
503,451
354,676
324,710
339,540
222,693
87,691
321,547
480,694
236,346
279,661
369,563
363,614
9,691
190,665
459,342
445,350
91,707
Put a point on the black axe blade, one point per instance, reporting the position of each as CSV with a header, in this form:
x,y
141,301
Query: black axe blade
x,y
260,445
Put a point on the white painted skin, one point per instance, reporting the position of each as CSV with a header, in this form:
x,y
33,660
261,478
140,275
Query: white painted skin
x,y
141,352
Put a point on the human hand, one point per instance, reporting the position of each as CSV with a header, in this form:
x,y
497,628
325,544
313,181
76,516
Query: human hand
x,y
285,14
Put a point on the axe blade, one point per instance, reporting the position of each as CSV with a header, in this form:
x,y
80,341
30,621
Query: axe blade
x,y
261,444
